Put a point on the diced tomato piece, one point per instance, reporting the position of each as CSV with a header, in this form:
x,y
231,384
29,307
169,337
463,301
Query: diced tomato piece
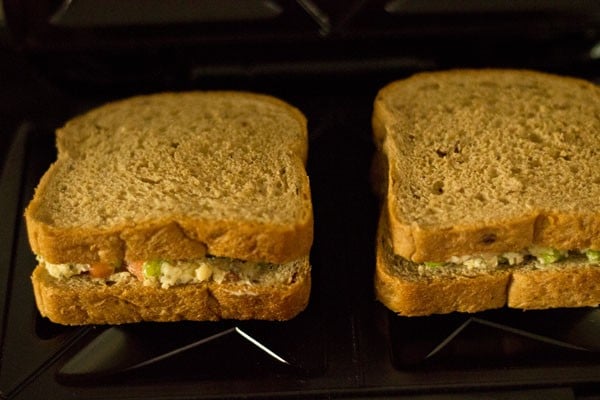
x,y
101,270
135,268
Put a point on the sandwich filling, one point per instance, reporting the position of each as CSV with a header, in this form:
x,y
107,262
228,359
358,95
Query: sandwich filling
x,y
164,274
543,255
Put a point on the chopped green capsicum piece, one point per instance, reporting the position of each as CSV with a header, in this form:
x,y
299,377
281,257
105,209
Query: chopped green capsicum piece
x,y
152,268
549,256
433,264
593,256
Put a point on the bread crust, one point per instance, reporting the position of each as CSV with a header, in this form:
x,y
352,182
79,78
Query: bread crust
x,y
184,238
81,300
420,244
565,229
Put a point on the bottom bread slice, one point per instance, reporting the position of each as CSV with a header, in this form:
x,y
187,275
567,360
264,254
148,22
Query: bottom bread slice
x,y
403,289
410,289
81,300
566,284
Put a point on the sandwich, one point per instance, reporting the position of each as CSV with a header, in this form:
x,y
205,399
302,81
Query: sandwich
x,y
490,192
175,206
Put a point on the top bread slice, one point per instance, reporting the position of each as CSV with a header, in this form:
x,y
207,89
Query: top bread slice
x,y
489,161
177,176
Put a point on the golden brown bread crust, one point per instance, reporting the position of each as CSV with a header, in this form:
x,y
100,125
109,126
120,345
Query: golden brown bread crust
x,y
80,300
182,239
563,231
565,228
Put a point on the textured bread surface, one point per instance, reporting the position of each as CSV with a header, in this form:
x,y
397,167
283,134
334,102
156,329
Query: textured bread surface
x,y
177,176
410,289
567,284
81,300
489,161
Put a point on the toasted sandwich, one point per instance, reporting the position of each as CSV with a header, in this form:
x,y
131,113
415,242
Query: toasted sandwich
x,y
490,188
175,206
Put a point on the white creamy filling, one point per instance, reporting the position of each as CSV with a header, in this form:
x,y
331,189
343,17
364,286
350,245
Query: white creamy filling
x,y
172,273
179,273
218,269
475,265
543,255
63,271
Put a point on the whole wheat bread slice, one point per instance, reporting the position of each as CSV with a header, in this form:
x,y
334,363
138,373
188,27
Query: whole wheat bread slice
x,y
489,161
177,176
486,161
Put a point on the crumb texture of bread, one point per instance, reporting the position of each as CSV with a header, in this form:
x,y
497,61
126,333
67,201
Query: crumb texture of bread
x,y
489,161
177,175
81,300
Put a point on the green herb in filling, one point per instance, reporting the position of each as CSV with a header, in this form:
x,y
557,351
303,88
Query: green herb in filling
x,y
433,264
152,268
593,256
550,255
